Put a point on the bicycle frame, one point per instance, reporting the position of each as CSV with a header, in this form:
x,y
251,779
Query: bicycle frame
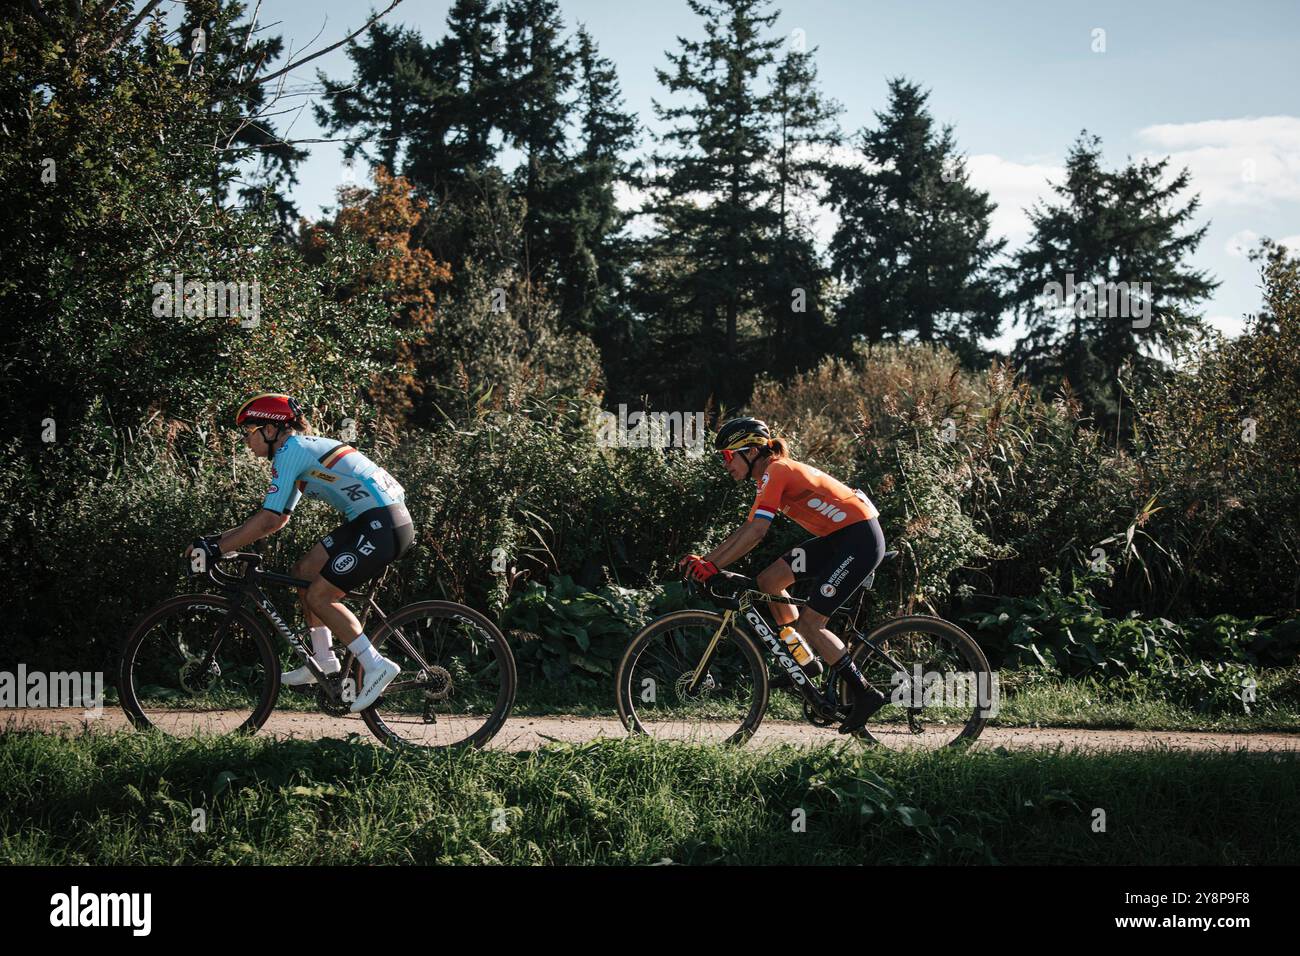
x,y
247,587
743,604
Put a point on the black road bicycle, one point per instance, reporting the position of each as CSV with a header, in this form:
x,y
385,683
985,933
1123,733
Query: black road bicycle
x,y
701,676
208,663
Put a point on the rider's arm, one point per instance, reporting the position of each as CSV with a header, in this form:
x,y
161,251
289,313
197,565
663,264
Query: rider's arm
x,y
255,528
767,505
739,543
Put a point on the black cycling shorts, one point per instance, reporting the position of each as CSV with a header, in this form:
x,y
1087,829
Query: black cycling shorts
x,y
839,562
362,548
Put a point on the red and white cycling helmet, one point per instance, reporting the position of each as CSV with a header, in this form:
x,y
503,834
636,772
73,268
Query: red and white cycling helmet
x,y
269,408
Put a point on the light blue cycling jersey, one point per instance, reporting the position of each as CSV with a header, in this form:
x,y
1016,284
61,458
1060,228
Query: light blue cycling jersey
x,y
332,470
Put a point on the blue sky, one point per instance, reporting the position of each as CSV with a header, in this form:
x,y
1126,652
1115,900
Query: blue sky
x,y
1216,86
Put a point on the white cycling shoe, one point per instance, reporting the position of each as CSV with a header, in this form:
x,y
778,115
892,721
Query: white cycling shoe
x,y
302,676
376,679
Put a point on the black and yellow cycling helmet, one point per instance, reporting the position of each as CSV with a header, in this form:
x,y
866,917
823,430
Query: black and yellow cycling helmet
x,y
742,433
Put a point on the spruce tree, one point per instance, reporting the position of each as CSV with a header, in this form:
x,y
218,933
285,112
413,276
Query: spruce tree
x,y
804,129
712,204
595,252
1101,285
538,64
382,105
912,245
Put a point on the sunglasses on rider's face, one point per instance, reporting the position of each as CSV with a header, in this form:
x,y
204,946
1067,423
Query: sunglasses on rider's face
x,y
728,454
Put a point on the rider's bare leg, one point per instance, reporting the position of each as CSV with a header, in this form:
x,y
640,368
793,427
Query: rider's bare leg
x,y
811,625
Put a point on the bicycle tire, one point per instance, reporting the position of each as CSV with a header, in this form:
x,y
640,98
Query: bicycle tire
x,y
933,625
127,694
504,656
758,667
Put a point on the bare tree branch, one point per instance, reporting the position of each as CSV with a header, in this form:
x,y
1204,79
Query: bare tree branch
x,y
130,27
248,36
293,66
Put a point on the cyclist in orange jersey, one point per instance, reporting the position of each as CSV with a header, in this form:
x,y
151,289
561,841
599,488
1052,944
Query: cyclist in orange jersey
x,y
847,545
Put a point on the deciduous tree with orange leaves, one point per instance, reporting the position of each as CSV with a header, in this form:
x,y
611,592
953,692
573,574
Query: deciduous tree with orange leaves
x,y
387,215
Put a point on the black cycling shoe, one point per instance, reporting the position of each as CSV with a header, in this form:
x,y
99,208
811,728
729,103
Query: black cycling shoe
x,y
865,703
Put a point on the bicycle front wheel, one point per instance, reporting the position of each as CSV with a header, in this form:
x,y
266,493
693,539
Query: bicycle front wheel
x,y
165,685
660,695
458,678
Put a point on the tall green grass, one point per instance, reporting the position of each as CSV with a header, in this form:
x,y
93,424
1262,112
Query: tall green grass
x,y
130,799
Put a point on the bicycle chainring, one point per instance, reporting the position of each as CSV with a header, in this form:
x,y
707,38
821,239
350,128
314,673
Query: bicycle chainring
x,y
818,718
335,706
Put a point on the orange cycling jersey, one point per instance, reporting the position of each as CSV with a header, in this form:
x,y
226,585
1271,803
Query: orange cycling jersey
x,y
810,497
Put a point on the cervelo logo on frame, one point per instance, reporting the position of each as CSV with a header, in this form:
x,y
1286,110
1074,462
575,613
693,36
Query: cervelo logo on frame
x,y
75,909
777,648
26,688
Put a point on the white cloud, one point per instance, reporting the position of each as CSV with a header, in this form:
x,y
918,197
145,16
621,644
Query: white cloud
x,y
1250,162
1292,243
1240,243
1229,325
1014,187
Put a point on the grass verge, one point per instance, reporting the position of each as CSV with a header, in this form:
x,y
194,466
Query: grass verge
x,y
132,799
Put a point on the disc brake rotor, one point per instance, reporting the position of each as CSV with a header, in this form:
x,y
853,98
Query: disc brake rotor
x,y
683,683
196,680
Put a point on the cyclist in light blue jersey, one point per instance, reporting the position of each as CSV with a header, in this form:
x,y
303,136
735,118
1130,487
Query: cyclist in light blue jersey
x,y
377,532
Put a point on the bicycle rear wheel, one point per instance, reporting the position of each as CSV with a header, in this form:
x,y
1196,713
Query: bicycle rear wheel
x,y
654,678
938,680
458,678
163,684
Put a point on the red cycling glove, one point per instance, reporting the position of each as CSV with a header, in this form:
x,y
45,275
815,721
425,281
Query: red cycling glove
x,y
696,568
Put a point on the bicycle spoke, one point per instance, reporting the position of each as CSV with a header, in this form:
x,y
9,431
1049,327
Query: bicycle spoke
x,y
659,692
452,684
172,689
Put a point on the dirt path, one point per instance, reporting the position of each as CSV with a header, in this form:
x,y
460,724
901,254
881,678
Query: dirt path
x,y
528,733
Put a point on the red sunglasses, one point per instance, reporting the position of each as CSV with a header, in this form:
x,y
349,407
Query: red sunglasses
x,y
728,454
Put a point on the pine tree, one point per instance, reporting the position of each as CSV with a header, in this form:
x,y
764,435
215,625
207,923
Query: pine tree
x,y
712,203
469,61
912,244
804,128
540,72
389,96
1113,240
595,253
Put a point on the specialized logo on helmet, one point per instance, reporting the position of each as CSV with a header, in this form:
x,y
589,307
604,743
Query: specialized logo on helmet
x,y
344,563
828,509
